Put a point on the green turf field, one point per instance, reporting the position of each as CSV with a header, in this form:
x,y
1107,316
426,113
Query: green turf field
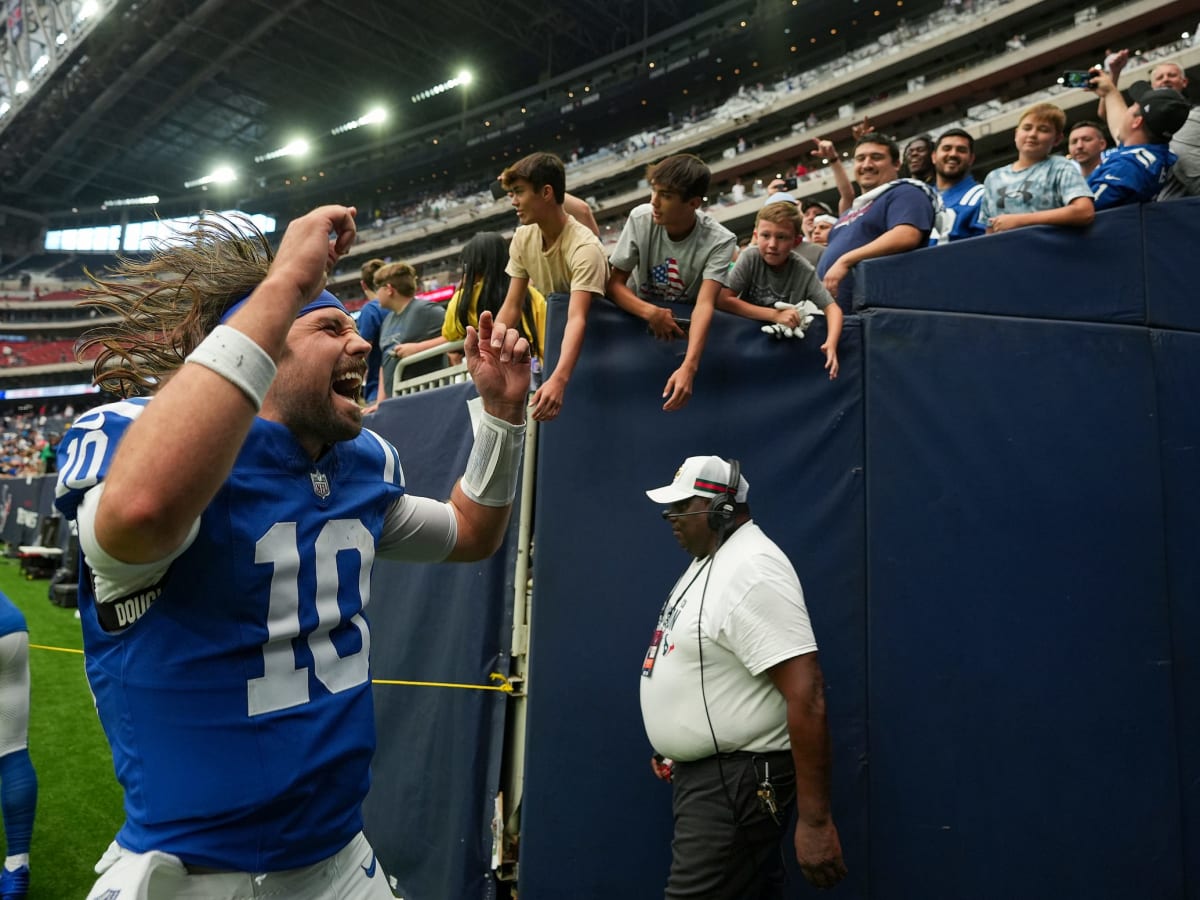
x,y
79,800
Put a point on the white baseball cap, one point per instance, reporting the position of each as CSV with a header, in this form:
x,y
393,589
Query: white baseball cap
x,y
700,476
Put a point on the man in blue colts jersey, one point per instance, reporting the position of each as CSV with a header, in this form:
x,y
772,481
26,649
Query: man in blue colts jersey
x,y
953,156
1135,170
228,527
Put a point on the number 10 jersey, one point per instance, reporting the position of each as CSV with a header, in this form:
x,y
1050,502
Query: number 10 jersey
x,y
235,691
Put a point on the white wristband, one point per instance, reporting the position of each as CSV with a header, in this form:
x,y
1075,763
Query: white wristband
x,y
239,360
495,462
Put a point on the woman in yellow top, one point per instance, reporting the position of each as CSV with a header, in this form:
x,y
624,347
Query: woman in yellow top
x,y
484,258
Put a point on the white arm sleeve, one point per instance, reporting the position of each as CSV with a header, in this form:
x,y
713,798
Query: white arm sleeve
x,y
114,579
418,529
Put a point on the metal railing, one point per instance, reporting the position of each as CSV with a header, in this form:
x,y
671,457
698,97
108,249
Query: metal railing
x,y
440,378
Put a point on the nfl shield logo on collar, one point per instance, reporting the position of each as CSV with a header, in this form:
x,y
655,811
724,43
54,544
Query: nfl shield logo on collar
x,y
320,483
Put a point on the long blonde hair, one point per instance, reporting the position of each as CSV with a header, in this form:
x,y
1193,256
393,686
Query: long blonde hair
x,y
166,305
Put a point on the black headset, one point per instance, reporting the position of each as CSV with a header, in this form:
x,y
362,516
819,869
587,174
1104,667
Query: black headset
x,y
723,505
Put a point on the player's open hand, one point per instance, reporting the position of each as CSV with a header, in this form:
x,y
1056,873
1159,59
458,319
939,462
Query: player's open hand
x,y
498,360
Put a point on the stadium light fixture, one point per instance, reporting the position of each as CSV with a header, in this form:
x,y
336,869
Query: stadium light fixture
x,y
21,87
462,79
219,175
294,147
40,63
61,39
372,116
89,9
148,200
5,106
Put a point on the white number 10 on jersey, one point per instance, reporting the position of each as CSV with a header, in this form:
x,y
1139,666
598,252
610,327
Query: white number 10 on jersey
x,y
284,684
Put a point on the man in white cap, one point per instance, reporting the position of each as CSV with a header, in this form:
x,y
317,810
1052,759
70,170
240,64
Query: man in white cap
x,y
733,700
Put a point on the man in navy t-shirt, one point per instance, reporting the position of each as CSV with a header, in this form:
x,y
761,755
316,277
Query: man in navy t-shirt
x,y
892,215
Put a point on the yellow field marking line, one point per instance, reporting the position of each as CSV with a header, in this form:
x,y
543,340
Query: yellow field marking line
x,y
55,649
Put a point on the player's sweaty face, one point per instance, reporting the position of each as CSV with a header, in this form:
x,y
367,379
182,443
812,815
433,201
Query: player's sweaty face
x,y
319,379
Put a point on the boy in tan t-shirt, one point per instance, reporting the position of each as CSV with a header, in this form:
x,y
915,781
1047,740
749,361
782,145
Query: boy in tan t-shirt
x,y
557,255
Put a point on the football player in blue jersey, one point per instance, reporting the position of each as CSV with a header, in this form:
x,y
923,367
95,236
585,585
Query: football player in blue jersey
x,y
18,781
228,526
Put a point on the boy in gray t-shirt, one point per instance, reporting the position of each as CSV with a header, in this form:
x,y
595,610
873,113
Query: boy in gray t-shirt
x,y
770,271
677,255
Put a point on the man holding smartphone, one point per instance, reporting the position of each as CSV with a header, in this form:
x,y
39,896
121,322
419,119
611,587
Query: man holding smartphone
x,y
1136,169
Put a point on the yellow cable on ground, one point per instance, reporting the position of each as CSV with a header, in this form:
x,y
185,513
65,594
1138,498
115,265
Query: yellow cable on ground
x,y
504,686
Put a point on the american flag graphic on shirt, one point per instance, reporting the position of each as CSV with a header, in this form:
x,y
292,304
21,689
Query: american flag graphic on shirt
x,y
665,283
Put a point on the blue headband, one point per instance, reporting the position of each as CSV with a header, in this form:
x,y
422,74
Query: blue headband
x,y
323,300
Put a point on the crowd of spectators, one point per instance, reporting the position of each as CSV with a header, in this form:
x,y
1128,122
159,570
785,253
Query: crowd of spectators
x,y
750,102
671,264
29,439
890,201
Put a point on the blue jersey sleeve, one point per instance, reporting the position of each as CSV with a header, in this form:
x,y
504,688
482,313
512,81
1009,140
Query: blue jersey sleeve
x,y
86,451
11,619
966,214
1128,175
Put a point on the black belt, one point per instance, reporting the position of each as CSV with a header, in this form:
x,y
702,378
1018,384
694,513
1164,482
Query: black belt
x,y
207,870
753,754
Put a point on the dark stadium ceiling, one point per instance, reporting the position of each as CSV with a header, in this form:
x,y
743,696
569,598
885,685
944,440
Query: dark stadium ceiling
x,y
164,90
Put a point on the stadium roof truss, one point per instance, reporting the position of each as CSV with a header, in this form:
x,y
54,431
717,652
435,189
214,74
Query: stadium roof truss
x,y
38,37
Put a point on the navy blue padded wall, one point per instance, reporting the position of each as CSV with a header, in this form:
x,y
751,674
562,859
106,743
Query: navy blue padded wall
x,y
595,822
1171,238
1022,738
1092,274
1177,367
437,765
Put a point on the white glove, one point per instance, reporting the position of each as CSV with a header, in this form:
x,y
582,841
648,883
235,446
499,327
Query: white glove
x,y
781,331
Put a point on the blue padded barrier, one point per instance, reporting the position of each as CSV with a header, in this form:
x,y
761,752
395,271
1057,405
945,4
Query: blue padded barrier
x,y
1177,368
1092,274
437,766
995,521
1021,709
24,503
596,824
1172,238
